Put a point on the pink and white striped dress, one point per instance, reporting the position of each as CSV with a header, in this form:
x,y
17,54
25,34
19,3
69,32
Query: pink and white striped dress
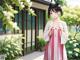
x,y
55,49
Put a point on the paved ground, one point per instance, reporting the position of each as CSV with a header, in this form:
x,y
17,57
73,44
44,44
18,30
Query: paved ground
x,y
33,56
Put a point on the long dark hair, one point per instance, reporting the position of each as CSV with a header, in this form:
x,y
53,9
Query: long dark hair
x,y
54,7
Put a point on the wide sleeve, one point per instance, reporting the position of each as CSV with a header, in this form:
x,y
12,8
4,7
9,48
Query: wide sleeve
x,y
64,36
46,31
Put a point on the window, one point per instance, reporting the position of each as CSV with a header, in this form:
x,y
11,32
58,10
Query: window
x,y
40,22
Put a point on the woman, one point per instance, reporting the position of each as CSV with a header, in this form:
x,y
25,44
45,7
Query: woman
x,y
55,34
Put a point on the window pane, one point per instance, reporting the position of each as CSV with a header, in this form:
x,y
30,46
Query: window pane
x,y
33,28
20,21
29,29
40,16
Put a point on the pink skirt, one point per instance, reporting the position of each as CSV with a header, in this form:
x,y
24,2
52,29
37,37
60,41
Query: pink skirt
x,y
54,50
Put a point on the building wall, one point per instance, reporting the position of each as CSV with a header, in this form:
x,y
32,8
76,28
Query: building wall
x,y
40,6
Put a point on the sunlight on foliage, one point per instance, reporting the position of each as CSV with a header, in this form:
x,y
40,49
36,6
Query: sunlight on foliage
x,y
71,15
7,11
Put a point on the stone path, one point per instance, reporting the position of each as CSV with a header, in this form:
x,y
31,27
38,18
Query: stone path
x,y
33,56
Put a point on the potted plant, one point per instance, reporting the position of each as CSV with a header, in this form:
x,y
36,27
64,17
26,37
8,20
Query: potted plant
x,y
41,43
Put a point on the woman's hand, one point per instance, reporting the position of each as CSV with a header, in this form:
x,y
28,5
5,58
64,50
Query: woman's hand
x,y
50,31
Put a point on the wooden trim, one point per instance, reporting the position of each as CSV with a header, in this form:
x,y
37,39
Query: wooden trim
x,y
31,32
40,6
26,30
44,22
36,30
23,31
34,8
14,19
18,20
42,2
18,16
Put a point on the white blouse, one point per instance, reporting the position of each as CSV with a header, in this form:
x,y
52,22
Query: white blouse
x,y
63,25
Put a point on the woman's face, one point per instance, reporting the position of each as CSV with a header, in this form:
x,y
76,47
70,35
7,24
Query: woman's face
x,y
54,14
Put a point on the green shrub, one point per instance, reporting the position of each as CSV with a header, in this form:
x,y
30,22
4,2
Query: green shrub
x,y
73,46
41,44
11,46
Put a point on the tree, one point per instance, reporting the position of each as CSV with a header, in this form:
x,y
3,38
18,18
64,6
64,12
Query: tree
x,y
72,18
7,11
71,15
61,2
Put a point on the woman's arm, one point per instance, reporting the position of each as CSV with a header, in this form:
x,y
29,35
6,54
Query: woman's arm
x,y
64,37
46,32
